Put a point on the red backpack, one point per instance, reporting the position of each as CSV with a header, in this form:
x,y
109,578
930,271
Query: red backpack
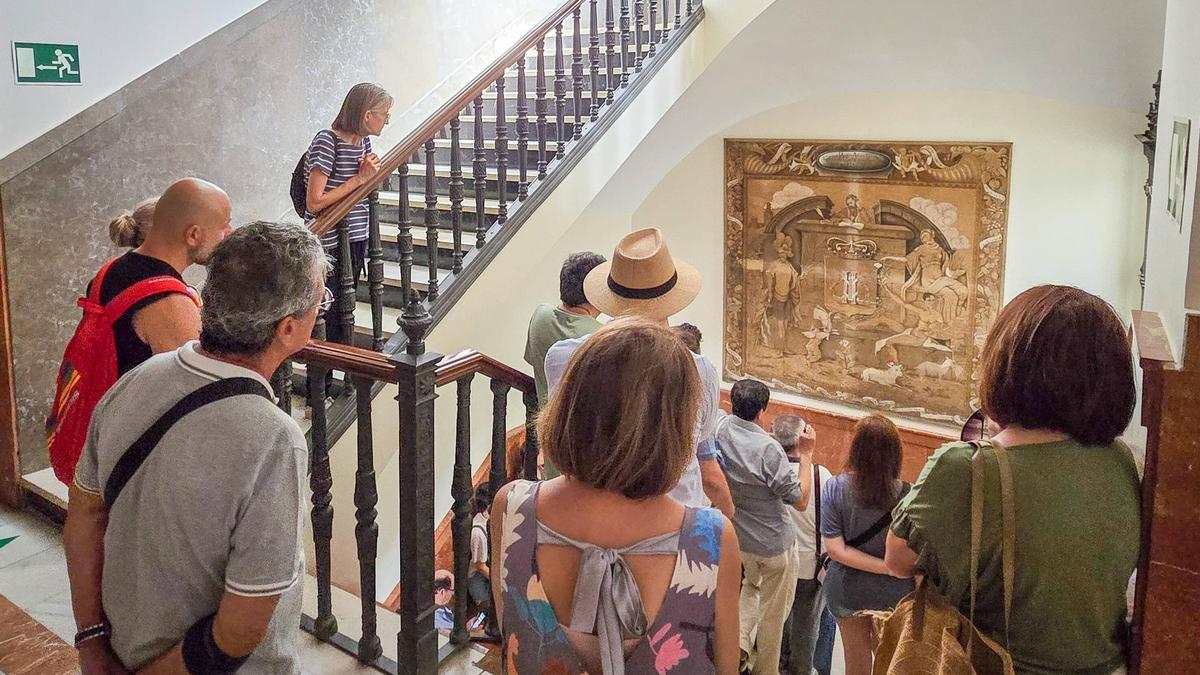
x,y
89,366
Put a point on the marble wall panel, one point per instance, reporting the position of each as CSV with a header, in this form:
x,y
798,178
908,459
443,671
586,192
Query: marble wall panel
x,y
238,116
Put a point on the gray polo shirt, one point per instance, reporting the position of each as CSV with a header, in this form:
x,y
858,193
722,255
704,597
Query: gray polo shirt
x,y
763,485
216,507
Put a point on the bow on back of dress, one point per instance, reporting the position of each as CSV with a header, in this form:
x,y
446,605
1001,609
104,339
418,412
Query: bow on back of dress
x,y
607,602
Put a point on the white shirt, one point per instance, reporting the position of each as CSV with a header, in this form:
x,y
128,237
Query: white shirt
x,y
690,489
806,526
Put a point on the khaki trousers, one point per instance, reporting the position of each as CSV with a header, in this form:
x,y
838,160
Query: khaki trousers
x,y
768,589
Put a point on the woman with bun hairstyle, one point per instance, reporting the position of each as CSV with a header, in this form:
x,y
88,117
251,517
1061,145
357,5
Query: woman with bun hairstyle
x,y
129,229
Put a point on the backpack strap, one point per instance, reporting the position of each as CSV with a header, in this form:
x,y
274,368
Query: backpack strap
x,y
878,526
817,530
132,460
126,299
98,281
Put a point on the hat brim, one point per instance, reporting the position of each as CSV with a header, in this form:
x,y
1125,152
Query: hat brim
x,y
687,287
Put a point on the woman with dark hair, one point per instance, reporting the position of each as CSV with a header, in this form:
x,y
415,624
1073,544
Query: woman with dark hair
x,y
1056,379
339,160
856,509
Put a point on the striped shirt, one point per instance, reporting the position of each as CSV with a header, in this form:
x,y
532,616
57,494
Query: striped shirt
x,y
339,161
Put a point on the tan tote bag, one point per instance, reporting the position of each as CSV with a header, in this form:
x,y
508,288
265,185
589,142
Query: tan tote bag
x,y
925,634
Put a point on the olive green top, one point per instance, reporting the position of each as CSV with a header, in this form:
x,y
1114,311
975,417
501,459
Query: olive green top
x,y
1078,530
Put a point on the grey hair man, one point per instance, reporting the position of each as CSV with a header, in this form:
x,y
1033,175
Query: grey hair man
x,y
193,563
801,631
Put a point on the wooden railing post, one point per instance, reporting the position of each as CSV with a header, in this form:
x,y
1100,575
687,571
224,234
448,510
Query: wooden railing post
x,y
625,42
460,489
345,286
540,107
432,215
320,480
479,172
415,372
501,153
366,531
405,238
522,132
610,44
594,56
530,455
577,71
639,19
281,384
499,471
560,93
375,272
456,193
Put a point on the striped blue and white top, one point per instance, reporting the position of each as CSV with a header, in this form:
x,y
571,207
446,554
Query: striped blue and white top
x,y
339,161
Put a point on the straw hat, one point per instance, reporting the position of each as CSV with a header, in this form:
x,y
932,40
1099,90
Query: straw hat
x,y
642,279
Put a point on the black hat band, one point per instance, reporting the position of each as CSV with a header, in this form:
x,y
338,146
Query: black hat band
x,y
643,293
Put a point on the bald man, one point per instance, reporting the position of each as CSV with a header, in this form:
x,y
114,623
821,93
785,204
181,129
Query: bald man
x,y
191,217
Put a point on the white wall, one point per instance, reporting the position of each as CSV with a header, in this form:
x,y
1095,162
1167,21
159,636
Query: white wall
x,y
1167,261
118,42
1075,187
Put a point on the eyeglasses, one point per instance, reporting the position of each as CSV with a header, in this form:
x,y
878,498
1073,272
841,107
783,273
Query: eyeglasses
x,y
387,116
326,301
975,428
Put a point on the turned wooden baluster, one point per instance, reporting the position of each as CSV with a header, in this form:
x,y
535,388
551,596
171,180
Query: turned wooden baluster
x,y
460,490
542,106
531,444
405,238
320,480
560,92
479,171
366,531
501,151
665,33
577,71
625,36
431,216
499,469
345,285
690,9
678,15
610,46
281,385
456,192
375,272
652,22
594,56
522,132
639,19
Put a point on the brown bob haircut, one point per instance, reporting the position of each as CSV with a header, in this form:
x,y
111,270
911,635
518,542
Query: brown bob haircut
x,y
362,97
874,462
1059,358
622,419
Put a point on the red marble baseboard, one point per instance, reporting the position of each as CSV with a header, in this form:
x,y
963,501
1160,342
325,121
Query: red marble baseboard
x,y
835,431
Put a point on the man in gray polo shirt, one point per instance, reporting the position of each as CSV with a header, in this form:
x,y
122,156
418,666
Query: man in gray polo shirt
x,y
765,488
196,565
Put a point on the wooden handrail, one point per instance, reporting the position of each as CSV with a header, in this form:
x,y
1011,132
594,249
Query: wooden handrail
x,y
377,366
403,151
1150,338
455,366
350,360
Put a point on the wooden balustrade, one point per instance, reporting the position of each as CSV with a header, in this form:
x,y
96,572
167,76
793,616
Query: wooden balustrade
x,y
621,47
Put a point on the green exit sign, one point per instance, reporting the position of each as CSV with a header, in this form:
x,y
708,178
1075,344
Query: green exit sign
x,y
45,63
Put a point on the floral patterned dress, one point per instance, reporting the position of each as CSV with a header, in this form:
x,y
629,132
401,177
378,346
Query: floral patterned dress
x,y
680,639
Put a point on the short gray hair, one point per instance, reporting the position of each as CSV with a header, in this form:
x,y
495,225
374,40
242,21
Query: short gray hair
x,y
786,429
259,275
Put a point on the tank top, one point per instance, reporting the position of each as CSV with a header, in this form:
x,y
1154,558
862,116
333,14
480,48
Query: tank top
x,y
606,601
125,272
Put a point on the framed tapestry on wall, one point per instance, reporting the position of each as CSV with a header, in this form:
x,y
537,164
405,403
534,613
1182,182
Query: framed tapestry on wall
x,y
866,273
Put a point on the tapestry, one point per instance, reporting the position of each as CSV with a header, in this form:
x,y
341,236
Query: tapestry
x,y
866,273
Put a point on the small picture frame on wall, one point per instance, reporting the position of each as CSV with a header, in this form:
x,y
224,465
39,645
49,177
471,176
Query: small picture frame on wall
x,y
1180,141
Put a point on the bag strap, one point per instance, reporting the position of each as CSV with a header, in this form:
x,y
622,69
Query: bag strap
x,y
137,453
1007,525
94,292
878,526
126,299
817,529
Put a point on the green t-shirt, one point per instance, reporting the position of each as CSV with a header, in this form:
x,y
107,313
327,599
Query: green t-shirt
x,y
1078,527
548,325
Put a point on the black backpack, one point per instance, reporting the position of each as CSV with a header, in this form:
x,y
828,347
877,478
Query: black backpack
x,y
299,188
